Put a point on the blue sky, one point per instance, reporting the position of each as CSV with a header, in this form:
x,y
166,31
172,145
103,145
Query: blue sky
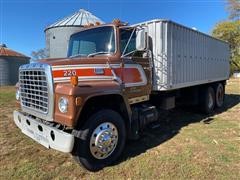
x,y
22,22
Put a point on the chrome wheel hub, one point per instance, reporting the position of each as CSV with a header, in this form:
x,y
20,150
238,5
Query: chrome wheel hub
x,y
103,140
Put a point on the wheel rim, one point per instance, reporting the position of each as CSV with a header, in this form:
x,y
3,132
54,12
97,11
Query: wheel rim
x,y
211,101
103,140
220,95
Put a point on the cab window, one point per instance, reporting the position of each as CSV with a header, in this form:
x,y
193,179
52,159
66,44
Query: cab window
x,y
125,34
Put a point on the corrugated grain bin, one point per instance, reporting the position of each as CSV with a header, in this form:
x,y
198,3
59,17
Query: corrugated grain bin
x,y
58,34
236,74
4,72
185,57
10,61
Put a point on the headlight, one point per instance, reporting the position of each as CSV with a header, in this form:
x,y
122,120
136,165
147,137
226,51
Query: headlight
x,y
63,104
17,95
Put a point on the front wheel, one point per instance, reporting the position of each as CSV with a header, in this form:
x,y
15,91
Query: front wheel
x,y
101,140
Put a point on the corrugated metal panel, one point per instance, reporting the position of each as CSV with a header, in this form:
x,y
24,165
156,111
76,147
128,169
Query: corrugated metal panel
x,y
184,57
10,61
4,72
57,40
9,69
79,18
58,34
14,68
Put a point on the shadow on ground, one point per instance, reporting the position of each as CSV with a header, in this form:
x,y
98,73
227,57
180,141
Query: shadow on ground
x,y
170,126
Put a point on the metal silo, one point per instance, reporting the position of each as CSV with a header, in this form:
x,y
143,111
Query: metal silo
x,y
4,72
10,61
57,35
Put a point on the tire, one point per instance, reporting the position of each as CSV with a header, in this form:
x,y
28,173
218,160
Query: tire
x,y
94,138
219,93
207,100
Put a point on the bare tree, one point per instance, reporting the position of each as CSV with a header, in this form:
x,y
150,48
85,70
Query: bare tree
x,y
233,7
39,54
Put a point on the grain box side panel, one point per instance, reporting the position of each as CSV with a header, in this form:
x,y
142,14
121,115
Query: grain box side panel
x,y
154,46
157,32
184,57
195,58
164,56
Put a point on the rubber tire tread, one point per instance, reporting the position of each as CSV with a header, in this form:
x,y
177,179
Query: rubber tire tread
x,y
204,100
81,151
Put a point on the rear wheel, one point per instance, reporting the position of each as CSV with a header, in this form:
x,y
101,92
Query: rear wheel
x,y
219,91
207,100
101,140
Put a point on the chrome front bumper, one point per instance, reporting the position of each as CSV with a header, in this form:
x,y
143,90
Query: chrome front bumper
x,y
48,136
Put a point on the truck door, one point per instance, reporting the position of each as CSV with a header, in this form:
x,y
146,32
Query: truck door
x,y
137,74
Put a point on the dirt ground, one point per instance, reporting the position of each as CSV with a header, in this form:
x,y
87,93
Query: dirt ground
x,y
189,145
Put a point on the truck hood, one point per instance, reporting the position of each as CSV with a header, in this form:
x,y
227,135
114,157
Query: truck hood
x,y
84,68
80,61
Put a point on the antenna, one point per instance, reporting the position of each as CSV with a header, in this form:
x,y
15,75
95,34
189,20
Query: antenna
x,y
88,4
1,21
120,9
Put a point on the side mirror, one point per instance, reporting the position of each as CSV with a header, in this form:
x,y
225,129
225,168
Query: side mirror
x,y
141,43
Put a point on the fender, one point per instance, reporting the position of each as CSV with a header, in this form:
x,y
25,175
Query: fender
x,y
86,91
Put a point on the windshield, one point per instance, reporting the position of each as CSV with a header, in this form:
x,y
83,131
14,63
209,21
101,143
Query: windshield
x,y
92,42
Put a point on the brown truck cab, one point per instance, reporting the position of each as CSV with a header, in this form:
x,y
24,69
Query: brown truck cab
x,y
89,103
86,96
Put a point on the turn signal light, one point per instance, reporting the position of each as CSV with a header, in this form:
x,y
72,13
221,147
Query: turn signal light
x,y
88,25
78,101
74,80
118,22
97,23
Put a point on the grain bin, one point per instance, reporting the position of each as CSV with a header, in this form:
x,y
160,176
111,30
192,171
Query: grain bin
x,y
236,74
57,35
10,61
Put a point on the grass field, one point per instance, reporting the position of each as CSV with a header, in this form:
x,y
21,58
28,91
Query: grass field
x,y
189,146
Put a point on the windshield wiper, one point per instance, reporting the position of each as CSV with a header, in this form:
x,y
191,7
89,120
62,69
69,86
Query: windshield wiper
x,y
78,55
96,53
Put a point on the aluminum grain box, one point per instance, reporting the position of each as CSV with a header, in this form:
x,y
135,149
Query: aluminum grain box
x,y
185,57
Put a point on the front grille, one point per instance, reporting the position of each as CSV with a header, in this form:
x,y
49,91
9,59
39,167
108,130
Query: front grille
x,y
34,89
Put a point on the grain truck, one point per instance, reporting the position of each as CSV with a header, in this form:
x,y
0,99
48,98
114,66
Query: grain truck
x,y
117,79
